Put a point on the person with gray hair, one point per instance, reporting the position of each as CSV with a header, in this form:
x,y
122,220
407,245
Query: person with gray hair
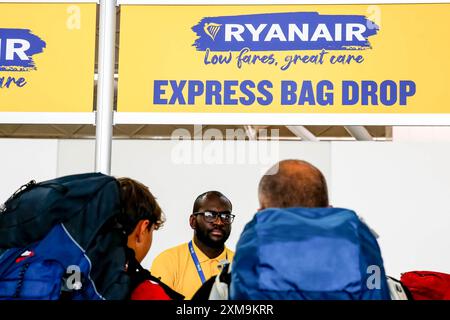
x,y
293,183
297,247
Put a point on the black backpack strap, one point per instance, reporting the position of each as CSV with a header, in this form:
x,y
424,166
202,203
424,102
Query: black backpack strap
x,y
138,275
174,295
204,291
406,290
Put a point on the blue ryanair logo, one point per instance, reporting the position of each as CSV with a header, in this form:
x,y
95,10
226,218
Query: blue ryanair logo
x,y
17,48
284,31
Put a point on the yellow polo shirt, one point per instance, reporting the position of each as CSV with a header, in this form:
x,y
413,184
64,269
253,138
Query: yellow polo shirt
x,y
176,268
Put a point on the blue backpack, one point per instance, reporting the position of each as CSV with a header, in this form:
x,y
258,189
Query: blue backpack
x,y
308,254
63,239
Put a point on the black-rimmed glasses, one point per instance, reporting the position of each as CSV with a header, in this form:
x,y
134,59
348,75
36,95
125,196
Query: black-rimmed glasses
x,y
211,216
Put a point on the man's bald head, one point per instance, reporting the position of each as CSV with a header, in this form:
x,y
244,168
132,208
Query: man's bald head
x,y
293,183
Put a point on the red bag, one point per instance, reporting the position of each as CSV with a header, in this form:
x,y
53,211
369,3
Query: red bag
x,y
427,285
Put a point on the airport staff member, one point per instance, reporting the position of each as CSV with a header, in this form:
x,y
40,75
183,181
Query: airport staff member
x,y
186,267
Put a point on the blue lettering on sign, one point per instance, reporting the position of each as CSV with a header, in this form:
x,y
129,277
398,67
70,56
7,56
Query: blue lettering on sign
x,y
242,93
370,93
212,92
284,31
322,93
8,82
17,47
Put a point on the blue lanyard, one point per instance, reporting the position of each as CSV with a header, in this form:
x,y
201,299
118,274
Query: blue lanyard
x,y
196,262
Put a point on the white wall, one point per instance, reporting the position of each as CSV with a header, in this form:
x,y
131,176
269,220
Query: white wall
x,y
401,189
421,134
76,156
22,160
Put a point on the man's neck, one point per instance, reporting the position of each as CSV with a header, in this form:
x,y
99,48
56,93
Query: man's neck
x,y
211,253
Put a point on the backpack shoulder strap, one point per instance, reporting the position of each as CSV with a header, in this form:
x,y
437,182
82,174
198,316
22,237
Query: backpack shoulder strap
x,y
138,274
174,295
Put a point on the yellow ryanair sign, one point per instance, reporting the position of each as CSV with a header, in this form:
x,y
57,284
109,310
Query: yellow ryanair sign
x,y
47,54
285,59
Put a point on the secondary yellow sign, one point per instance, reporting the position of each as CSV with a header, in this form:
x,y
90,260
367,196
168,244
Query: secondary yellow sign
x,y
285,59
47,54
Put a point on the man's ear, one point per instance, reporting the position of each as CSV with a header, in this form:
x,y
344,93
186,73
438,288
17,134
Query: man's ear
x,y
262,202
193,221
141,228
262,205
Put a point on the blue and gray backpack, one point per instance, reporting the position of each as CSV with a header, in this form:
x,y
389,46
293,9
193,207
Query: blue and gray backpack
x,y
308,254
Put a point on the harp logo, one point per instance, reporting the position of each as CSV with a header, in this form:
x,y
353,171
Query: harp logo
x,y
17,48
212,29
284,32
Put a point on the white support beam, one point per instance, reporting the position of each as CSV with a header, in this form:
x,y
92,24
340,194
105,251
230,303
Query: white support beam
x,y
105,88
47,117
360,133
283,119
302,132
269,2
50,1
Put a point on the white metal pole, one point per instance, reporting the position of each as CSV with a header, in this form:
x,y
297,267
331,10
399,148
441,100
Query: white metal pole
x,y
105,86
